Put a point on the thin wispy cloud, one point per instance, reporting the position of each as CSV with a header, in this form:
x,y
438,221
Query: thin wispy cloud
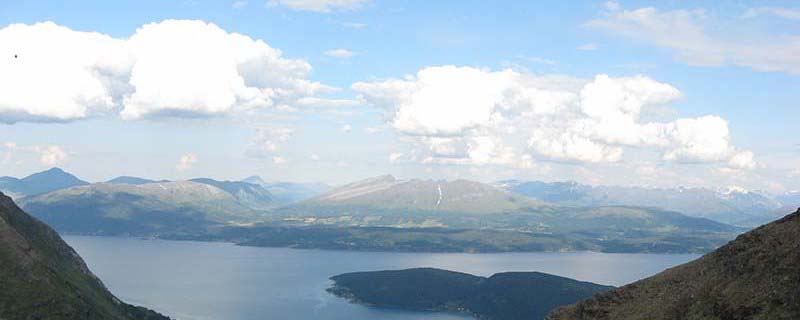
x,y
340,53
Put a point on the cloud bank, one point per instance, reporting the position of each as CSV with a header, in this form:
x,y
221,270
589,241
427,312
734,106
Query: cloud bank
x,y
178,68
468,115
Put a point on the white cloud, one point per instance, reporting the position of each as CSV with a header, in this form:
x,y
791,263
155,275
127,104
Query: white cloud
x,y
395,156
541,60
689,34
239,4
170,68
743,160
51,155
373,130
314,102
354,25
321,6
278,160
781,12
51,73
186,162
346,128
268,141
314,157
611,5
587,47
464,115
340,53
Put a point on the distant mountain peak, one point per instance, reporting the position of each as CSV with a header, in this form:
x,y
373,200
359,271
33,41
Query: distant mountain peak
x,y
255,180
41,182
388,193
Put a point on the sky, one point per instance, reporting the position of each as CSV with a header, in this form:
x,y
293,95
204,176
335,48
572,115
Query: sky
x,y
661,93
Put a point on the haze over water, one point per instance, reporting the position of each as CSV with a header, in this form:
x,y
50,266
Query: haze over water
x,y
211,280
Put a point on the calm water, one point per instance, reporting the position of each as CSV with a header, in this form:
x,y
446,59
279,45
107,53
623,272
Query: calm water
x,y
207,280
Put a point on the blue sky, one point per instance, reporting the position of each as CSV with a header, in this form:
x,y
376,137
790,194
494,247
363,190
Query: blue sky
x,y
673,60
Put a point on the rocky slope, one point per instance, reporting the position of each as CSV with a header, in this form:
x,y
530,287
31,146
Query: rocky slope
x,y
43,278
753,277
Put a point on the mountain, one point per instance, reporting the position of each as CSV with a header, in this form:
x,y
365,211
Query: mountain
x,y
41,182
44,278
390,194
107,208
289,192
251,195
503,296
730,205
132,180
789,199
753,277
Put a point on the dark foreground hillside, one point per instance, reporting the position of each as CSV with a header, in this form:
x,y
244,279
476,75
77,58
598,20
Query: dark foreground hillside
x,y
503,296
756,276
41,277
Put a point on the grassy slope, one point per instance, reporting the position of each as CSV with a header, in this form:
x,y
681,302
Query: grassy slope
x,y
43,278
753,277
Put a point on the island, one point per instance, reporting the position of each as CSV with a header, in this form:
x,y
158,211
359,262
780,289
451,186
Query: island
x,y
503,296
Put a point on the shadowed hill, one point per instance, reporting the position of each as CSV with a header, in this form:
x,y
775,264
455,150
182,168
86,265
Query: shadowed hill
x,y
753,277
43,278
503,296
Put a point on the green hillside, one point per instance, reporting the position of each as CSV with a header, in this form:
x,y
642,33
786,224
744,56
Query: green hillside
x,y
43,278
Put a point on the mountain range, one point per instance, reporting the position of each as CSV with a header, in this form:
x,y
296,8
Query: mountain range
x,y
249,212
44,278
38,183
108,208
730,205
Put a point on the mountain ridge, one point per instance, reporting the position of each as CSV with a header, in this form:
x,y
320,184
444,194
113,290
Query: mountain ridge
x,y
40,182
729,205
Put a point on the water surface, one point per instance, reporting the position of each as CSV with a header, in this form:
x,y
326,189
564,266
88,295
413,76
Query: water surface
x,y
212,280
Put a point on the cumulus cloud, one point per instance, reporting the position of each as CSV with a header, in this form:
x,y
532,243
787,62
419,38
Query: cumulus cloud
x,y
743,160
322,6
268,140
346,128
395,156
170,68
186,162
51,155
689,34
239,4
51,73
278,160
340,53
465,115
